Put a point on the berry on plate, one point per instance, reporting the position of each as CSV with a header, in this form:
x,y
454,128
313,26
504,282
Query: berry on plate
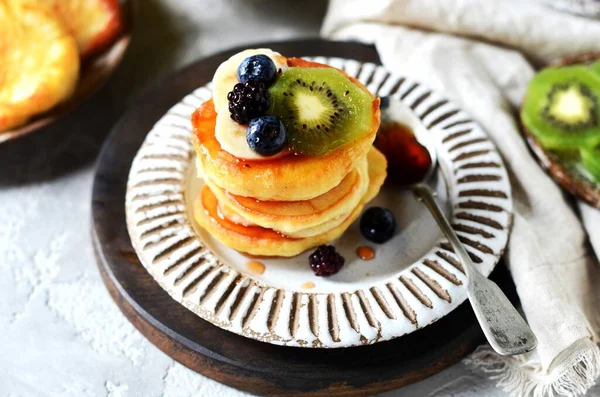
x,y
378,224
326,261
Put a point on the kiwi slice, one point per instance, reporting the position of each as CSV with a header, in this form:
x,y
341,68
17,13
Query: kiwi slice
x,y
562,108
321,108
591,161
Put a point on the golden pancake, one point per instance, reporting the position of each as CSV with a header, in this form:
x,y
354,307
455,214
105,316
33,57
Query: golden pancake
x,y
286,178
39,62
290,217
256,240
95,24
228,214
377,174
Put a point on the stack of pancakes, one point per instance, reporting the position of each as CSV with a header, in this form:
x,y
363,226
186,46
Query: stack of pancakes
x,y
288,204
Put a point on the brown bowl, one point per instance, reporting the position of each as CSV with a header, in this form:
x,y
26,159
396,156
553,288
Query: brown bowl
x,y
95,72
565,168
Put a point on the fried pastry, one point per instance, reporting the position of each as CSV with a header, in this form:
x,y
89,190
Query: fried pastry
x,y
94,23
39,62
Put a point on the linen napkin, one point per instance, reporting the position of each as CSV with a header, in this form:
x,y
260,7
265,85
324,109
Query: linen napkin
x,y
480,53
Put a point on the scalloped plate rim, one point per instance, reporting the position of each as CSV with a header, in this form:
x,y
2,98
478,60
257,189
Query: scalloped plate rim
x,y
438,114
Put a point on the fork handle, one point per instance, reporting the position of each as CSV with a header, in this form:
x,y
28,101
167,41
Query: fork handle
x,y
424,194
505,329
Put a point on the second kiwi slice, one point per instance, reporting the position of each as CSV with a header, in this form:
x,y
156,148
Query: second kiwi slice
x,y
591,161
321,108
595,67
562,107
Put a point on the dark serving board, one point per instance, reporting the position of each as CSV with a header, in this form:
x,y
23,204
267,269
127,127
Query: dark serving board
x,y
226,357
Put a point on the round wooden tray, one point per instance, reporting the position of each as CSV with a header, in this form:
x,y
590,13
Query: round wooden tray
x,y
226,357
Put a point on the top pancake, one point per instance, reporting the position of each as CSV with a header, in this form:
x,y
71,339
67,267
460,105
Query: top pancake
x,y
285,178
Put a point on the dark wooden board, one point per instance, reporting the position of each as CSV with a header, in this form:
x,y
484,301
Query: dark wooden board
x,y
226,357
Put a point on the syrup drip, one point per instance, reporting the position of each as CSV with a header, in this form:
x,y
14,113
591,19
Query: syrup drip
x,y
255,267
365,253
308,285
408,160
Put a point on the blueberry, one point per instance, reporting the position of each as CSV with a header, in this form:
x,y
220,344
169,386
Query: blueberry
x,y
384,102
377,224
266,135
257,67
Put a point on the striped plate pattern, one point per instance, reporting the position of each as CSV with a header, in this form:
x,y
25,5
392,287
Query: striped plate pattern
x,y
182,263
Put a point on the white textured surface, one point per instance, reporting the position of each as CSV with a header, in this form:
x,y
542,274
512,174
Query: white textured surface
x,y
60,333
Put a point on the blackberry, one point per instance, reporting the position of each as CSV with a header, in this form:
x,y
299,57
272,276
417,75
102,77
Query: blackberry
x,y
325,261
248,101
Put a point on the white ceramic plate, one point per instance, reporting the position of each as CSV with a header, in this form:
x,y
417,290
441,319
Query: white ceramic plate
x,y
414,280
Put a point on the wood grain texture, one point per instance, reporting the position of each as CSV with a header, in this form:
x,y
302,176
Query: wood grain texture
x,y
228,358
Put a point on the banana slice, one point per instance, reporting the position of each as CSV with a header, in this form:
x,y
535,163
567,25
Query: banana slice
x,y
39,63
232,138
231,135
226,75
